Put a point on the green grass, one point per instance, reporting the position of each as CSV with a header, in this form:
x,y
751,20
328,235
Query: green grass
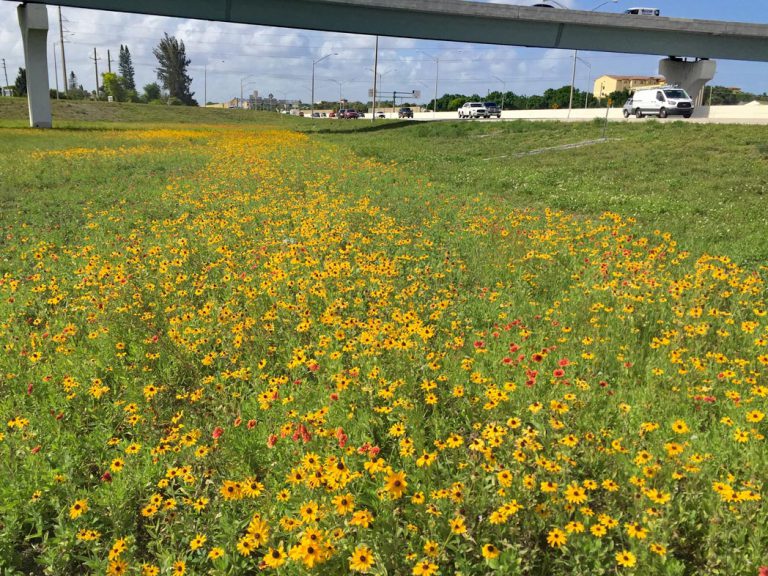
x,y
705,184
189,260
76,113
58,190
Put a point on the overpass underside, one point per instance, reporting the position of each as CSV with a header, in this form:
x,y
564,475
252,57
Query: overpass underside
x,y
464,21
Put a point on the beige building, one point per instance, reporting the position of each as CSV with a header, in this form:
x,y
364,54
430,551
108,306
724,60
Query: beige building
x,y
610,83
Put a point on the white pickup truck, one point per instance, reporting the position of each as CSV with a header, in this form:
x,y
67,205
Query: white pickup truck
x,y
473,110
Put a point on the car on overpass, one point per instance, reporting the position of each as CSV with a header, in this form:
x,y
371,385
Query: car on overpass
x,y
643,11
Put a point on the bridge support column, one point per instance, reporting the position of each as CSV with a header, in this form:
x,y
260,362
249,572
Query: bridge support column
x,y
33,20
692,76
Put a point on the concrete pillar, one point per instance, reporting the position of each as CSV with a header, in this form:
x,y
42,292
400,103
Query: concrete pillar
x,y
33,20
692,76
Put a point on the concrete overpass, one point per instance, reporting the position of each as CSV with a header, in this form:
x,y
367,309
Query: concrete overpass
x,y
454,20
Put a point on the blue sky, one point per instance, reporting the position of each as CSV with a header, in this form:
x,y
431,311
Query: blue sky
x,y
279,61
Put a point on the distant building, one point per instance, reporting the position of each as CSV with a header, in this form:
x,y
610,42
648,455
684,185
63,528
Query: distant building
x,y
260,103
610,83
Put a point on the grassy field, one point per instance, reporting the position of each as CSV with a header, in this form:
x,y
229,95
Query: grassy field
x,y
239,343
74,113
705,184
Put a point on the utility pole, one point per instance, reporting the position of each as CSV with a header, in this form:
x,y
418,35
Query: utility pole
x,y
63,57
5,70
55,71
109,62
573,81
375,70
96,66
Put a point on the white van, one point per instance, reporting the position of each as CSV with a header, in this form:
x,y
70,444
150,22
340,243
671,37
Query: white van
x,y
643,11
662,102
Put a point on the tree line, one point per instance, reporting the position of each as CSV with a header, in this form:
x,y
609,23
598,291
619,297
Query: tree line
x,y
555,98
173,86
174,81
552,98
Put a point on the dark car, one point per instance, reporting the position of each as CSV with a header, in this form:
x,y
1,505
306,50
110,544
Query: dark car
x,y
491,109
405,113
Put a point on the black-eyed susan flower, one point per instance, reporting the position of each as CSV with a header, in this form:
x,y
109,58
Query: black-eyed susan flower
x,y
626,559
556,538
197,542
424,568
361,559
78,508
490,551
275,557
396,484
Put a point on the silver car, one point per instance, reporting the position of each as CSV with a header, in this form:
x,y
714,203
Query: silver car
x,y
628,109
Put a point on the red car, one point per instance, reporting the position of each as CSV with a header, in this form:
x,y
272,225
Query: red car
x,y
348,114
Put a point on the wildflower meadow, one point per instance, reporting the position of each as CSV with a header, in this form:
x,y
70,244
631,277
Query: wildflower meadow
x,y
231,350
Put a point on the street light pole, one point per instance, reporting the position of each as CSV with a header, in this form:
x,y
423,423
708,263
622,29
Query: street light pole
x,y
437,73
503,94
379,89
575,57
381,85
205,84
339,82
573,82
312,103
240,104
436,60
375,67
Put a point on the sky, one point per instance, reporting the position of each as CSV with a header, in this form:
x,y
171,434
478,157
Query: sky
x,y
227,57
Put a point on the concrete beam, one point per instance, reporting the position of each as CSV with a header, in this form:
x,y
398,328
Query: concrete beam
x,y
464,21
33,20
